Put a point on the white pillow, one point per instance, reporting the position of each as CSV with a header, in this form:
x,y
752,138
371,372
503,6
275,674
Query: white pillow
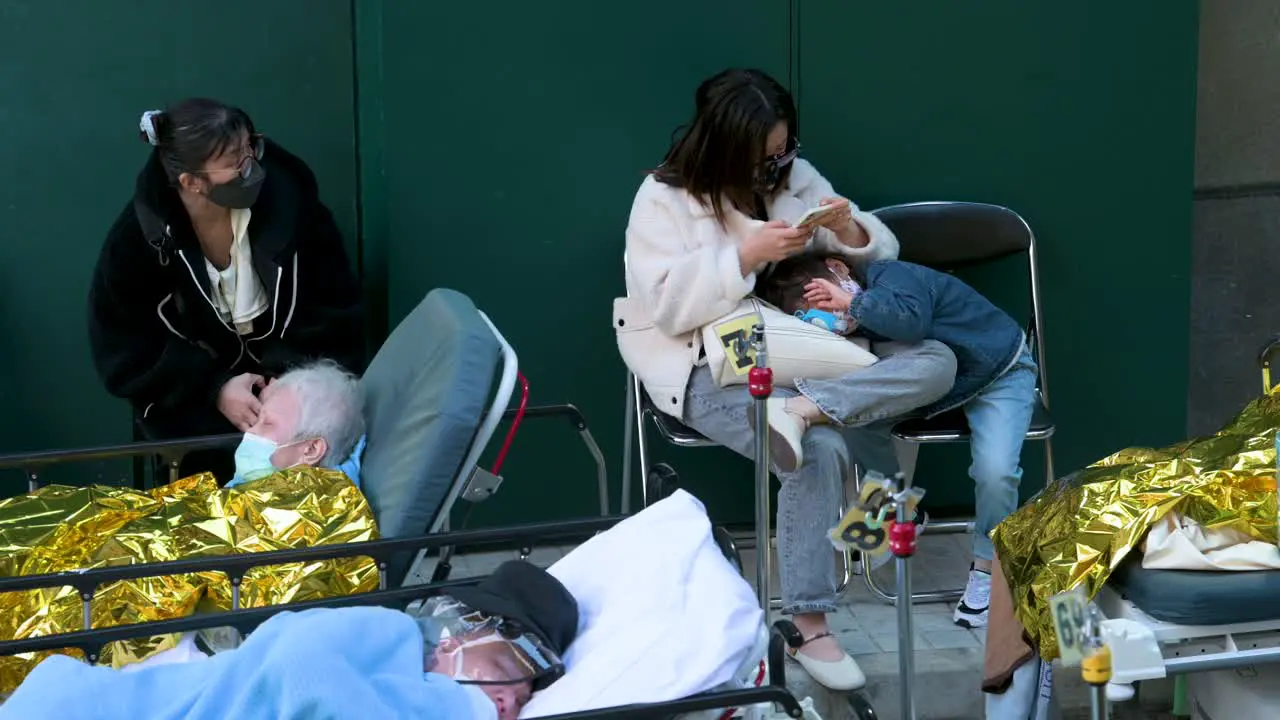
x,y
663,614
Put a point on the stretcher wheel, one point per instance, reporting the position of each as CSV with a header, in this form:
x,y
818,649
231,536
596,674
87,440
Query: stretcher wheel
x,y
862,709
661,483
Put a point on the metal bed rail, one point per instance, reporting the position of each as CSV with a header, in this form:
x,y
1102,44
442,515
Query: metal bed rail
x,y
171,452
91,640
86,582
775,691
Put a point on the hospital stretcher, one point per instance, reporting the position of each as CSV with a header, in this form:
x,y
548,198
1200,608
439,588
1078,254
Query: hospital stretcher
x,y
1162,623
435,394
90,641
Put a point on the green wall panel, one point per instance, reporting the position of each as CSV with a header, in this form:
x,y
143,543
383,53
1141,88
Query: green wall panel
x,y
515,136
1078,115
74,77
513,141
500,147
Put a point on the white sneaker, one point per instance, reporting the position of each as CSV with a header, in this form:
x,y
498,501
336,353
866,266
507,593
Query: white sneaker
x,y
972,610
786,435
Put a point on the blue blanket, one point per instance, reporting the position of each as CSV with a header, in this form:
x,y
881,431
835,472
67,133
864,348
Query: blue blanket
x,y
324,664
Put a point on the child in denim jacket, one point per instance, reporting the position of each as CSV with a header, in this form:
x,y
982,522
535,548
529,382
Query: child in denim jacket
x,y
995,373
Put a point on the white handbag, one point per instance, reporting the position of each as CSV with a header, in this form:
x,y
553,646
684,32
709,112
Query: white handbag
x,y
794,349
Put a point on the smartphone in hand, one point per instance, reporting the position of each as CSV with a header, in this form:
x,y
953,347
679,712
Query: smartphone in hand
x,y
814,214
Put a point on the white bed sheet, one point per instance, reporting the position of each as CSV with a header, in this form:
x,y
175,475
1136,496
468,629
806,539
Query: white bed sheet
x,y
663,614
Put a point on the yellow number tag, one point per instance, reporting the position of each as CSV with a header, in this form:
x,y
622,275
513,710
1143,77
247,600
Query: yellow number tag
x,y
735,336
1069,611
861,528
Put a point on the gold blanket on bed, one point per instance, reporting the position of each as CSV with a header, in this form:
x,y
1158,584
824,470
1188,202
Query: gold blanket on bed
x,y
1079,528
59,528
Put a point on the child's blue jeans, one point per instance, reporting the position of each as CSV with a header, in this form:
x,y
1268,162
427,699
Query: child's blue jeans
x,y
999,418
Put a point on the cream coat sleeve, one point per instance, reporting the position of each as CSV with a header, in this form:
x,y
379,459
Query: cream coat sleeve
x,y
810,187
684,284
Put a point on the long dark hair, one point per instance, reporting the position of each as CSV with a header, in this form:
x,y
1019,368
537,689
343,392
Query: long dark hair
x,y
195,130
720,151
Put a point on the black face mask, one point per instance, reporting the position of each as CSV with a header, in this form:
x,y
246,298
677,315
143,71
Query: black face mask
x,y
769,172
241,192
767,177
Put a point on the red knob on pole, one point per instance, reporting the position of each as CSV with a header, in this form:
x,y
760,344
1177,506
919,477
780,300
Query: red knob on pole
x,y
902,539
760,382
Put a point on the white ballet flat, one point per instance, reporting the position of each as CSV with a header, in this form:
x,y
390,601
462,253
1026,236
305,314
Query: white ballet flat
x,y
843,674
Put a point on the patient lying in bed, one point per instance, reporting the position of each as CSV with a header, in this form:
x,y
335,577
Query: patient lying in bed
x,y
658,613
1204,503
311,416
476,653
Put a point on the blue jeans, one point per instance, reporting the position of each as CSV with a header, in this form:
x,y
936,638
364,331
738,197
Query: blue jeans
x,y
907,377
999,417
998,420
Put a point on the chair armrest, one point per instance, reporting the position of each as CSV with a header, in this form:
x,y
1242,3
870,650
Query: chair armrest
x,y
569,412
579,423
1269,351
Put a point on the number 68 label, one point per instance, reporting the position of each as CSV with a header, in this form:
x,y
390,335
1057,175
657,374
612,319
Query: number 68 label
x,y
1070,623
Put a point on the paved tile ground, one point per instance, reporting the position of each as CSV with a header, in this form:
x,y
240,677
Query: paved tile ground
x,y
948,658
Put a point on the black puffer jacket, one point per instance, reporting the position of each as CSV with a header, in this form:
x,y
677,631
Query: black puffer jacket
x,y
157,339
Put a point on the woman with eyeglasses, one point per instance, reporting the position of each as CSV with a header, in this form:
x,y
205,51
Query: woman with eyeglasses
x,y
704,225
221,272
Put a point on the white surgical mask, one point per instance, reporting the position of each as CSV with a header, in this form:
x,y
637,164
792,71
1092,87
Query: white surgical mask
x,y
253,457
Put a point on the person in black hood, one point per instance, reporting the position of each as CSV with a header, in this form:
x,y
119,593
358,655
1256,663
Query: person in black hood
x,y
223,271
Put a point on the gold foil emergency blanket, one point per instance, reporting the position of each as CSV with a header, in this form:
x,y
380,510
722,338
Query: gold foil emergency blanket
x,y
59,528
1079,528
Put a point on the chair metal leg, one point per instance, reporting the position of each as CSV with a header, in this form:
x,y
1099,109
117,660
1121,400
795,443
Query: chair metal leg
x,y
602,473
847,562
950,527
1048,462
642,443
907,454
628,428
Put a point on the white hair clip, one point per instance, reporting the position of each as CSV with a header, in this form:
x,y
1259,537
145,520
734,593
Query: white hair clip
x,y
148,126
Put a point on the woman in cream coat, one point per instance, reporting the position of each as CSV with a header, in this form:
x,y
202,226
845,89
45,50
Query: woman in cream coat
x,y
717,212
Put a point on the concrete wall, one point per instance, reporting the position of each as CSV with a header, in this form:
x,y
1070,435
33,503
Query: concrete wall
x,y
1235,255
1238,100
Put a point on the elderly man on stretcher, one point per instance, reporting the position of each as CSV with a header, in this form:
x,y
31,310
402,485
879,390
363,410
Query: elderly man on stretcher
x,y
674,620
296,485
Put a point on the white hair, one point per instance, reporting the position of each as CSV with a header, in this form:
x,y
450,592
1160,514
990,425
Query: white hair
x,y
330,406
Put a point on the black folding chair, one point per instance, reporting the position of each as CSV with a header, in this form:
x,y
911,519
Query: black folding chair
x,y
948,236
